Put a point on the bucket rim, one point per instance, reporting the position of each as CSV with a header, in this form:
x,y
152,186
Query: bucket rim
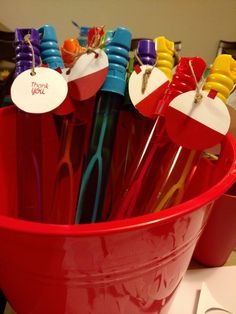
x,y
142,221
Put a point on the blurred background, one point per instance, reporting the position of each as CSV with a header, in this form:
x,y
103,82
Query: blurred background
x,y
198,24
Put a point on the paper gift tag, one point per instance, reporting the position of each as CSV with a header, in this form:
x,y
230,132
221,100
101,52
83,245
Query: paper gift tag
x,y
87,75
197,125
208,304
68,105
146,102
39,93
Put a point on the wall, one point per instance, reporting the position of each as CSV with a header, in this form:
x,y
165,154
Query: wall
x,y
199,24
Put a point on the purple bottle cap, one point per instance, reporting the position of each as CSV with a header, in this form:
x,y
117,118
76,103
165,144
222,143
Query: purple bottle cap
x,y
24,57
22,66
20,34
146,51
27,56
24,47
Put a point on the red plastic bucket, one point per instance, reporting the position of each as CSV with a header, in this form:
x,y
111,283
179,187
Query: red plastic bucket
x,y
219,237
126,266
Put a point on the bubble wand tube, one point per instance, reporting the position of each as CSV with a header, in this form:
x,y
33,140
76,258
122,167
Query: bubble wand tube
x,y
149,172
218,83
28,126
132,130
108,103
71,130
50,55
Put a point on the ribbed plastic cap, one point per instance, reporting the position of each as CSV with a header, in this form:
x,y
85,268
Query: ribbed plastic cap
x,y
47,33
198,65
117,50
49,48
21,32
146,51
24,55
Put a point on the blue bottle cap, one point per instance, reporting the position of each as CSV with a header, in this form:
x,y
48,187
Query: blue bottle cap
x,y
49,49
47,33
117,50
84,30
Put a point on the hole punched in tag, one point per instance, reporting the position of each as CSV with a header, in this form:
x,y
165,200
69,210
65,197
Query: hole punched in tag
x,y
27,40
147,72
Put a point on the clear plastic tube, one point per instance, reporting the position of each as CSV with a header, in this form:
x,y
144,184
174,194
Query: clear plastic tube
x,y
153,165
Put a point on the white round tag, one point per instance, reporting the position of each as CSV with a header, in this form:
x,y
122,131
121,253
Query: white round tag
x,y
157,82
197,125
68,105
88,74
39,93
